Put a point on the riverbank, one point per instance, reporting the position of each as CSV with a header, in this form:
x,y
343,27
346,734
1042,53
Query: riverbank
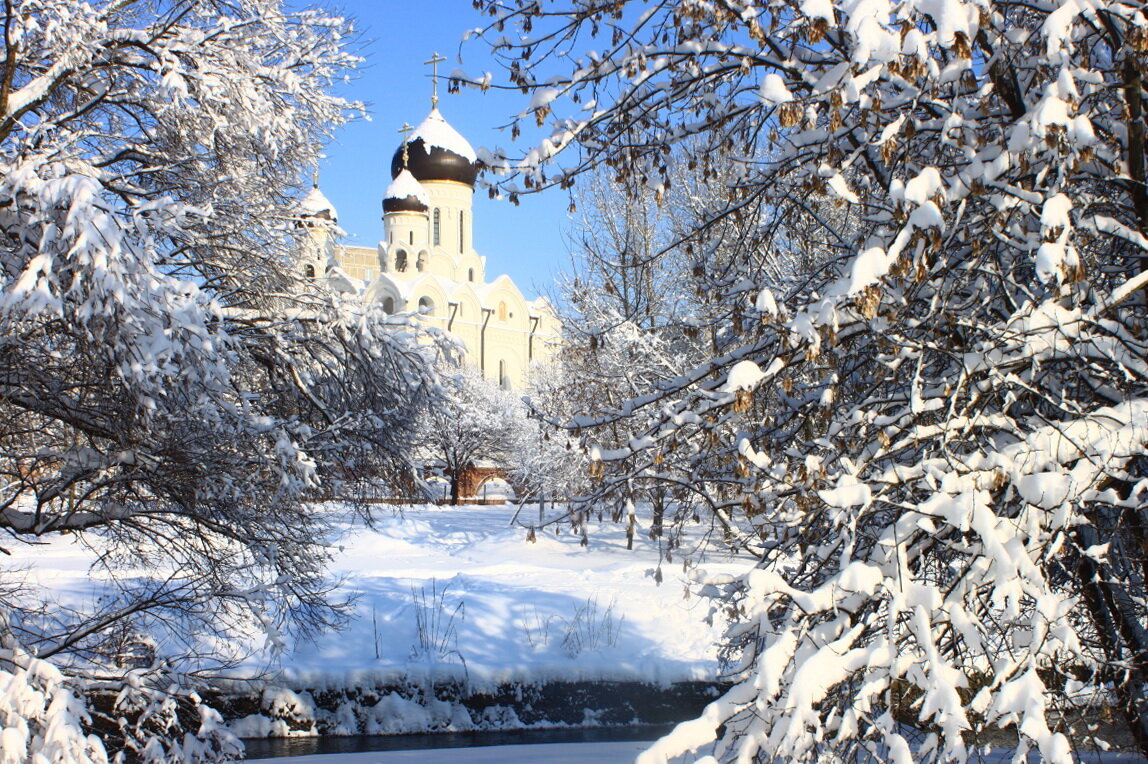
x,y
617,752
632,739
461,620
461,623
457,708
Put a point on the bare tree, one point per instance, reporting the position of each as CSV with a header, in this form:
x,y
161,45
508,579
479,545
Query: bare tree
x,y
473,420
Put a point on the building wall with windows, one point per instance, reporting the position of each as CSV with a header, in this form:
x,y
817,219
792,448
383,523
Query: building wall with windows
x,y
426,262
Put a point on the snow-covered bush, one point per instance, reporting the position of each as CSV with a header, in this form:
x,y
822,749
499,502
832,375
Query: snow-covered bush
x,y
42,717
934,442
148,715
153,717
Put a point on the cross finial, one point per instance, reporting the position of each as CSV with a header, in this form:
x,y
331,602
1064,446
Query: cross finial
x,y
406,131
315,178
435,60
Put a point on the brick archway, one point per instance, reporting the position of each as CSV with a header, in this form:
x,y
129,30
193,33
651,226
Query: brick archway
x,y
472,478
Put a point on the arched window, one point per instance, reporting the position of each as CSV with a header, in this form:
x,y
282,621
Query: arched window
x,y
389,305
412,236
426,306
470,275
309,271
503,313
503,379
462,231
436,228
421,262
401,260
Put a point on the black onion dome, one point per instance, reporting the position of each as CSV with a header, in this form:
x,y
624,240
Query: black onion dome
x,y
406,204
434,164
405,195
435,151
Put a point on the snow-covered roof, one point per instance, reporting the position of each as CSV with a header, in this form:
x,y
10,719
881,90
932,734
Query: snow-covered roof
x,y
405,186
501,283
381,286
425,282
384,284
339,281
435,131
315,204
540,305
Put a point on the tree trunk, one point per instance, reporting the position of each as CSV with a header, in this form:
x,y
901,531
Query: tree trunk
x,y
1133,88
1119,637
455,478
659,499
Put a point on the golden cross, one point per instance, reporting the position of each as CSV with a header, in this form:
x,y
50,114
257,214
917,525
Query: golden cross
x,y
405,130
435,60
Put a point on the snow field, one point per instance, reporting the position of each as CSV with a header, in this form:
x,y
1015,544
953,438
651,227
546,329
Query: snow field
x,y
459,592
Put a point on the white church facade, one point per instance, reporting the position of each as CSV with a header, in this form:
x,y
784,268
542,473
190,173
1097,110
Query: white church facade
x,y
426,263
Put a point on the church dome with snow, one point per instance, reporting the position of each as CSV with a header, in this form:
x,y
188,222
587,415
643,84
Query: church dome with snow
x,y
317,208
405,194
436,151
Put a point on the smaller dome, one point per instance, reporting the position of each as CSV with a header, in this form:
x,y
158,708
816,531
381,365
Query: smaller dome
x,y
317,207
436,151
405,194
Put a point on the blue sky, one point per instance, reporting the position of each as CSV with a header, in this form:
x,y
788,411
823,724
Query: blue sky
x,y
526,241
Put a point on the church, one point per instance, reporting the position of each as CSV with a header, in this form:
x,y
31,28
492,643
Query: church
x,y
426,262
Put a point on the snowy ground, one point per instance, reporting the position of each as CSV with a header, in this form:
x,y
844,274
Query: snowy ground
x,y
459,591
494,606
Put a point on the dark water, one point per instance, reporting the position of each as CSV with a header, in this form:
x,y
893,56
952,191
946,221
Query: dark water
x,y
266,748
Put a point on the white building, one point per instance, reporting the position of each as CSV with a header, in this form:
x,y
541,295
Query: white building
x,y
426,262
